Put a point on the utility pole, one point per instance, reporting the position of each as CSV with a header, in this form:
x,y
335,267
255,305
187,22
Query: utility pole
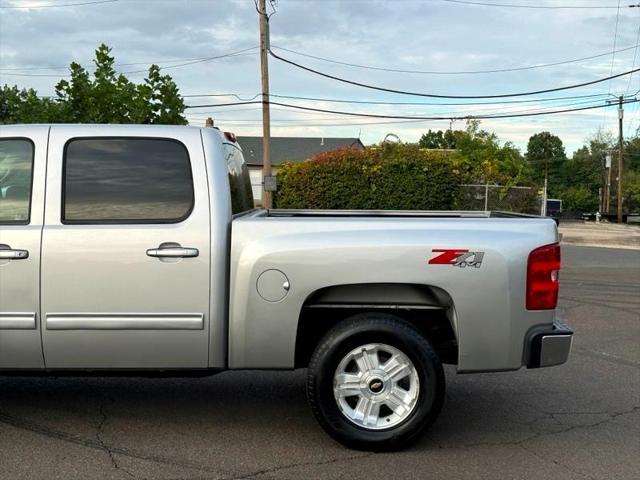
x,y
266,117
620,156
546,173
607,187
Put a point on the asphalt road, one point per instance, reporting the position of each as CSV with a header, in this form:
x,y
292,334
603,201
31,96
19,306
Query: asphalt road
x,y
579,420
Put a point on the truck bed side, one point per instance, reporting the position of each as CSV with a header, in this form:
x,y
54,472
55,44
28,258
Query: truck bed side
x,y
486,307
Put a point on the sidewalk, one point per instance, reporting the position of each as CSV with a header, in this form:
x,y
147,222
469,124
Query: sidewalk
x,y
608,235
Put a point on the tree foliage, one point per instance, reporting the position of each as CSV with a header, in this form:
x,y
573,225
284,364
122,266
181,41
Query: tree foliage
x,y
24,106
484,158
546,148
104,97
439,140
631,190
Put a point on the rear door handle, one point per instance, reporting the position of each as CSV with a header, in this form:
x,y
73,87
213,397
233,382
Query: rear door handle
x,y
173,252
7,253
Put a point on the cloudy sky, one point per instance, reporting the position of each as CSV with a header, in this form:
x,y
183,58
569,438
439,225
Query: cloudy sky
x,y
38,42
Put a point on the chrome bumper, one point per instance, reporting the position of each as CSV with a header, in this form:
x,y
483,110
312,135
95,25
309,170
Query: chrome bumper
x,y
551,347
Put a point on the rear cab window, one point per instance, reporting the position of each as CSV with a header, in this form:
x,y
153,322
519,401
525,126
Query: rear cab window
x,y
16,176
239,179
126,180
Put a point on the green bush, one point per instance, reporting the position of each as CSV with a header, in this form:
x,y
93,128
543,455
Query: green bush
x,y
579,199
390,177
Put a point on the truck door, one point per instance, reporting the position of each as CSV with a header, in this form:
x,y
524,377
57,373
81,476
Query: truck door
x,y
125,252
22,166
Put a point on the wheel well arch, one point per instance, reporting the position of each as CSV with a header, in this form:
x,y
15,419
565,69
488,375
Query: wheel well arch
x,y
429,308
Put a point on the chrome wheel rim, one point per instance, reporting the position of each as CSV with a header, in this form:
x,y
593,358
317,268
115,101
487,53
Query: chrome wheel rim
x,y
376,386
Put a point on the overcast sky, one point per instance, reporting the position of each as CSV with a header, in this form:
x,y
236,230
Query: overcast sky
x,y
426,35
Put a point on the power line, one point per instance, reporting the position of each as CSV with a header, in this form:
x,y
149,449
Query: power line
x,y
635,55
404,117
459,72
228,55
537,7
192,62
613,58
304,121
373,102
431,95
87,65
615,39
25,7
461,114
249,97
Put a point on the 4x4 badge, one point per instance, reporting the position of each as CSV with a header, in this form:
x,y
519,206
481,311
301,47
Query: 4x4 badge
x,y
457,258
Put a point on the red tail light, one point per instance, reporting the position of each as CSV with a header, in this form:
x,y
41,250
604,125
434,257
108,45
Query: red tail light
x,y
543,268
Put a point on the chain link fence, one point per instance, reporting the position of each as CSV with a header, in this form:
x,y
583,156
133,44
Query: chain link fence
x,y
499,197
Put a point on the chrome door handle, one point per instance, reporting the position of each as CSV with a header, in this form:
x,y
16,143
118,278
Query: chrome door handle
x,y
7,253
173,252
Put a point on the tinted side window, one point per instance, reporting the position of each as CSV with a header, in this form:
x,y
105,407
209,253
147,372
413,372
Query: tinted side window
x,y
126,180
16,170
239,180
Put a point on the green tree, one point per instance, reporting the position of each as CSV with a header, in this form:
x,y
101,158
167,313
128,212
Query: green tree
x,y
632,152
104,97
167,106
631,190
546,148
579,199
584,169
487,161
439,139
25,106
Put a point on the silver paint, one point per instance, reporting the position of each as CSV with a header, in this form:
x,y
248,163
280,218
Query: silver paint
x,y
105,270
131,321
17,321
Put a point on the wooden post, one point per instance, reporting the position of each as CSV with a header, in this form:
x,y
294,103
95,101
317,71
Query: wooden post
x,y
620,156
266,118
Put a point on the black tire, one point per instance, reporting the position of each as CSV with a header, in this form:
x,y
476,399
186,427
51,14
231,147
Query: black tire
x,y
357,331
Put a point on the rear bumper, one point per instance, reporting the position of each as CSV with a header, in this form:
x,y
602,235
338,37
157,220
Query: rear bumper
x,y
551,346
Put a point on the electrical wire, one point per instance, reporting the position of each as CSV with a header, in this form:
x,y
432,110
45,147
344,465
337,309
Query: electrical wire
x,y
249,97
537,7
458,72
431,95
236,95
24,7
193,62
615,39
86,65
405,117
635,55
447,114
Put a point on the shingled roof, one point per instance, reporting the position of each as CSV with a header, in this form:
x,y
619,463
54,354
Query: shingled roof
x,y
292,149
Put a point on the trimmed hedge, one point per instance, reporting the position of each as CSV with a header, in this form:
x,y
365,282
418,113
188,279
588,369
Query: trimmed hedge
x,y
390,177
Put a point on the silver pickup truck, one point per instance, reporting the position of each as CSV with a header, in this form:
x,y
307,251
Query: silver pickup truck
x,y
136,250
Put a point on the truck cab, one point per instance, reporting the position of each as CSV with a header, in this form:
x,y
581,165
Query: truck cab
x,y
126,265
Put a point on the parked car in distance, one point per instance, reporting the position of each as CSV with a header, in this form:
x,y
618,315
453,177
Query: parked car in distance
x,y
136,250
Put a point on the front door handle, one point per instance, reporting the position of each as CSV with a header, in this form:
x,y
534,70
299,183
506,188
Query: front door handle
x,y
7,253
173,252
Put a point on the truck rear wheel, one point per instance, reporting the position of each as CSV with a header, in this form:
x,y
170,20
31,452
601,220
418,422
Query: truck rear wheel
x,y
375,382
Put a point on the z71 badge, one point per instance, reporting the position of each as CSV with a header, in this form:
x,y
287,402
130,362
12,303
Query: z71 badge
x,y
456,257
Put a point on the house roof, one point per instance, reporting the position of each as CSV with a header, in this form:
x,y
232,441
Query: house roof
x,y
292,149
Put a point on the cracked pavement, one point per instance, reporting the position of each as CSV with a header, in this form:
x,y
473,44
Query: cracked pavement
x,y
576,421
